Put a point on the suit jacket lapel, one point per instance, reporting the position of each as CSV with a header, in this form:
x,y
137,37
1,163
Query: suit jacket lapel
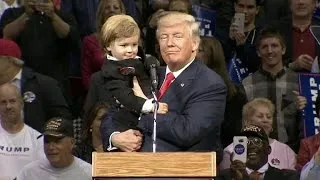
x,y
270,173
25,75
181,82
161,75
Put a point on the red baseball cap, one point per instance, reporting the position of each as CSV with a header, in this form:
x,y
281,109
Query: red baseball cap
x,y
9,48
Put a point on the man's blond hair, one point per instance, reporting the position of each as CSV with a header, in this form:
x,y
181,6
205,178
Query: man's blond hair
x,y
173,18
118,27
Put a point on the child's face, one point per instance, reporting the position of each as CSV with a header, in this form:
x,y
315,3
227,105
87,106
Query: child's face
x,y
124,48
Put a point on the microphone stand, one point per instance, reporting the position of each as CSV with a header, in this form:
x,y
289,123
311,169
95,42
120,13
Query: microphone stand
x,y
154,135
155,106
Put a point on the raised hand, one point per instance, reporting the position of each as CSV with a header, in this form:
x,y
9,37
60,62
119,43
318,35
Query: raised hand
x,y
46,7
238,170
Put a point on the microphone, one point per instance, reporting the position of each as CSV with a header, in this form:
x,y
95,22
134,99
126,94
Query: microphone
x,y
151,64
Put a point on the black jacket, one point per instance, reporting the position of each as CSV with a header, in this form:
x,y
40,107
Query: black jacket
x,y
43,99
120,86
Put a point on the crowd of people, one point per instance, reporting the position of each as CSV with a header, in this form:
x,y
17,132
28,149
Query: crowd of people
x,y
75,78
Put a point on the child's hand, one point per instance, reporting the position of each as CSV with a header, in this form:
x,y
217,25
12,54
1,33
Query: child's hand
x,y
163,108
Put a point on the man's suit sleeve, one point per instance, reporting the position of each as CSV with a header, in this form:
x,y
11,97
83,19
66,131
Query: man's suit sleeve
x,y
55,102
200,116
108,127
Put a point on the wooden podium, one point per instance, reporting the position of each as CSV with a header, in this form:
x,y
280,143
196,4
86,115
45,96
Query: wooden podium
x,y
160,165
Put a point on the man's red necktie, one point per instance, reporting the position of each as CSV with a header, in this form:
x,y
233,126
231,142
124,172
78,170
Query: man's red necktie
x,y
169,78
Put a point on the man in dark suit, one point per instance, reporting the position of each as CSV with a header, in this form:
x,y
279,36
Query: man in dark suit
x,y
42,95
257,166
195,95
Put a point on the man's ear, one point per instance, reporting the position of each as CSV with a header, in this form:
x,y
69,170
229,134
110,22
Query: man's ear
x,y
258,9
258,53
195,44
269,150
283,50
73,142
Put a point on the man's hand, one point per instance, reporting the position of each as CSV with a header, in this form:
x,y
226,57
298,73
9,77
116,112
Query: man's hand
x,y
238,170
234,34
304,61
301,101
46,7
163,108
128,141
29,6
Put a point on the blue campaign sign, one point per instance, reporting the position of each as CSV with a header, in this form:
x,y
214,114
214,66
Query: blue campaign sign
x,y
207,19
309,88
237,70
317,11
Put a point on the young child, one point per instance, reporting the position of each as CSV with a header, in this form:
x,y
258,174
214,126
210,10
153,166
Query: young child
x,y
119,38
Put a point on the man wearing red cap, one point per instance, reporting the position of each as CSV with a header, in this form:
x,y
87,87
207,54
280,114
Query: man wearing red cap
x,y
45,35
42,96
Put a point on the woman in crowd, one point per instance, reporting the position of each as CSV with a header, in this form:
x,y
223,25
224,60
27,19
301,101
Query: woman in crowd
x,y
260,111
92,56
211,54
91,136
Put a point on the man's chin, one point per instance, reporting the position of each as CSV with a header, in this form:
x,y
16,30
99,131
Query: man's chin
x,y
253,164
53,158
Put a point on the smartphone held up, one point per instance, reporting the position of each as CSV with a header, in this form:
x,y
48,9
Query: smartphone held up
x,y
238,20
240,148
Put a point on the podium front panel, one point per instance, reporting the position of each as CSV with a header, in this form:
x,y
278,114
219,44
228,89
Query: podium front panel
x,y
173,165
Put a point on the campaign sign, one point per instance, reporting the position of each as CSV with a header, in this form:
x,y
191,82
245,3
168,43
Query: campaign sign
x,y
207,19
309,88
316,13
237,70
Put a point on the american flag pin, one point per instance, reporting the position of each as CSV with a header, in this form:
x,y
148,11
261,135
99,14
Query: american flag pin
x,y
181,84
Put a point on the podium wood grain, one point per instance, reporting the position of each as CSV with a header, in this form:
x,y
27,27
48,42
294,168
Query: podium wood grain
x,y
173,164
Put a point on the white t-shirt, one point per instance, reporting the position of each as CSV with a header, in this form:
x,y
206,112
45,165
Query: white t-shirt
x,y
41,169
18,150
